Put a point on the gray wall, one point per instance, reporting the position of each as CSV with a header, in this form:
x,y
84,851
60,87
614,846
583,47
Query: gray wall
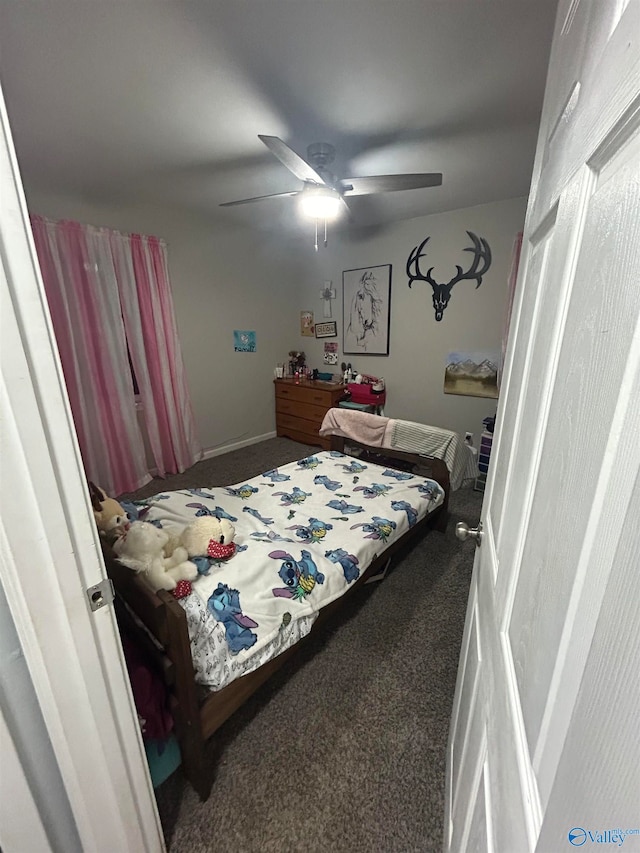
x,y
473,320
235,279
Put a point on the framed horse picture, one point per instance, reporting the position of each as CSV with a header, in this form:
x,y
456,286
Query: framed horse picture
x,y
366,307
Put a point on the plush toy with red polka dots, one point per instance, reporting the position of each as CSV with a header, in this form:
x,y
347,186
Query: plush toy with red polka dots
x,y
208,540
141,548
220,550
182,590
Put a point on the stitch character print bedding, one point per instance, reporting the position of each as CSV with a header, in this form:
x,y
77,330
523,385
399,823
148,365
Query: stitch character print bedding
x,y
304,533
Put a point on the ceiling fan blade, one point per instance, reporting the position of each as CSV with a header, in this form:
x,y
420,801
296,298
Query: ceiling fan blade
x,y
346,209
258,198
389,183
294,162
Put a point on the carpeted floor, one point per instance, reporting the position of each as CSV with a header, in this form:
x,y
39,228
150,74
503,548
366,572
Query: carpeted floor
x,y
343,749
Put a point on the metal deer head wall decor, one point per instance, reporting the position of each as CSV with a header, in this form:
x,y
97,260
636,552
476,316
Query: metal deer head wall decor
x,y
442,292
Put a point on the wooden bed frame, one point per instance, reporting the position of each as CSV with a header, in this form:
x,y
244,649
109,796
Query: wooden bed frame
x,y
158,623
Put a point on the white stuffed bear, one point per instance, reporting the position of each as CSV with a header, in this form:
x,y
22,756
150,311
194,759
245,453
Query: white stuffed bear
x,y
141,549
209,538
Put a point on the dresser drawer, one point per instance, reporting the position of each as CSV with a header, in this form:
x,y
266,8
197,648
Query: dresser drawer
x,y
485,444
300,409
309,412
305,438
304,393
297,424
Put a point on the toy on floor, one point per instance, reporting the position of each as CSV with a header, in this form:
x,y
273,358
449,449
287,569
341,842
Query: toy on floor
x,y
111,518
141,548
208,540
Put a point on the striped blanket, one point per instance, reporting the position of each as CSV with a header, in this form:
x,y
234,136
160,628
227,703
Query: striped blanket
x,y
407,436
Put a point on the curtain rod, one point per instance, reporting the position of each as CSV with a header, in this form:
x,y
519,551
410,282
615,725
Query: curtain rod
x,y
99,228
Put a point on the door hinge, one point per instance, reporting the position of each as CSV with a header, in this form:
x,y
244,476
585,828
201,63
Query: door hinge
x,y
100,594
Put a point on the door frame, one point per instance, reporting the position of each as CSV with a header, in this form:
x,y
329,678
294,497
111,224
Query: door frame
x,y
50,554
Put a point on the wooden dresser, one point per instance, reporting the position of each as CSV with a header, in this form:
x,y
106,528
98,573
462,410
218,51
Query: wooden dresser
x,y
301,408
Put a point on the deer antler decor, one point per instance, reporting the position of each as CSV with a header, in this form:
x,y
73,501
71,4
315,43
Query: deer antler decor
x,y
442,292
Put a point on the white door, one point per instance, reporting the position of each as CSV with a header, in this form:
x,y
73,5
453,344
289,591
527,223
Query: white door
x,y
544,750
77,758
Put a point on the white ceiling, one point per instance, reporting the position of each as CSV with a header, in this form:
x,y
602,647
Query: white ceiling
x,y
161,101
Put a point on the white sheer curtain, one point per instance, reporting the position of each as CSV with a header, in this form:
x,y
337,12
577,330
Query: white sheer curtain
x,y
149,319
91,277
79,277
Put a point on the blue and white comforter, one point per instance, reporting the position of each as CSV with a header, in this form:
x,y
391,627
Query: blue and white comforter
x,y
304,533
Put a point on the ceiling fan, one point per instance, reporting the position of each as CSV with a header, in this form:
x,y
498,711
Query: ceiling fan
x,y
322,195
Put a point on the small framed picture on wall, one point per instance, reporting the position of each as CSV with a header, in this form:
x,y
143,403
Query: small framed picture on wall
x,y
306,324
327,329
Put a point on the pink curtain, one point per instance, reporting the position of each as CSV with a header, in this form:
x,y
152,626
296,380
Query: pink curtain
x,y
90,284
157,359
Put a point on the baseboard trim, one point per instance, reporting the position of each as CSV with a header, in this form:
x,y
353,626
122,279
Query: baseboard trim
x,y
238,445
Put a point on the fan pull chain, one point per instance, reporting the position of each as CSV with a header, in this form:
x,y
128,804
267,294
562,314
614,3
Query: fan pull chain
x,y
326,238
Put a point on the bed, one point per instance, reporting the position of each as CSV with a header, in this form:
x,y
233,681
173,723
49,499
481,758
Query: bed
x,y
307,535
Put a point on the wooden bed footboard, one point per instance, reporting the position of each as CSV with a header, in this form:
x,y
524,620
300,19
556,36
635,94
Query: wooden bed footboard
x,y
424,466
158,623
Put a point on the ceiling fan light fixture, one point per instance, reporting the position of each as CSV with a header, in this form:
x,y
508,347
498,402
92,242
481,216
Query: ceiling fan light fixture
x,y
320,203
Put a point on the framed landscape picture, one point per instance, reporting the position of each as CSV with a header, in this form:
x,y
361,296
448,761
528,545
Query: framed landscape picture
x,y
366,310
472,374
